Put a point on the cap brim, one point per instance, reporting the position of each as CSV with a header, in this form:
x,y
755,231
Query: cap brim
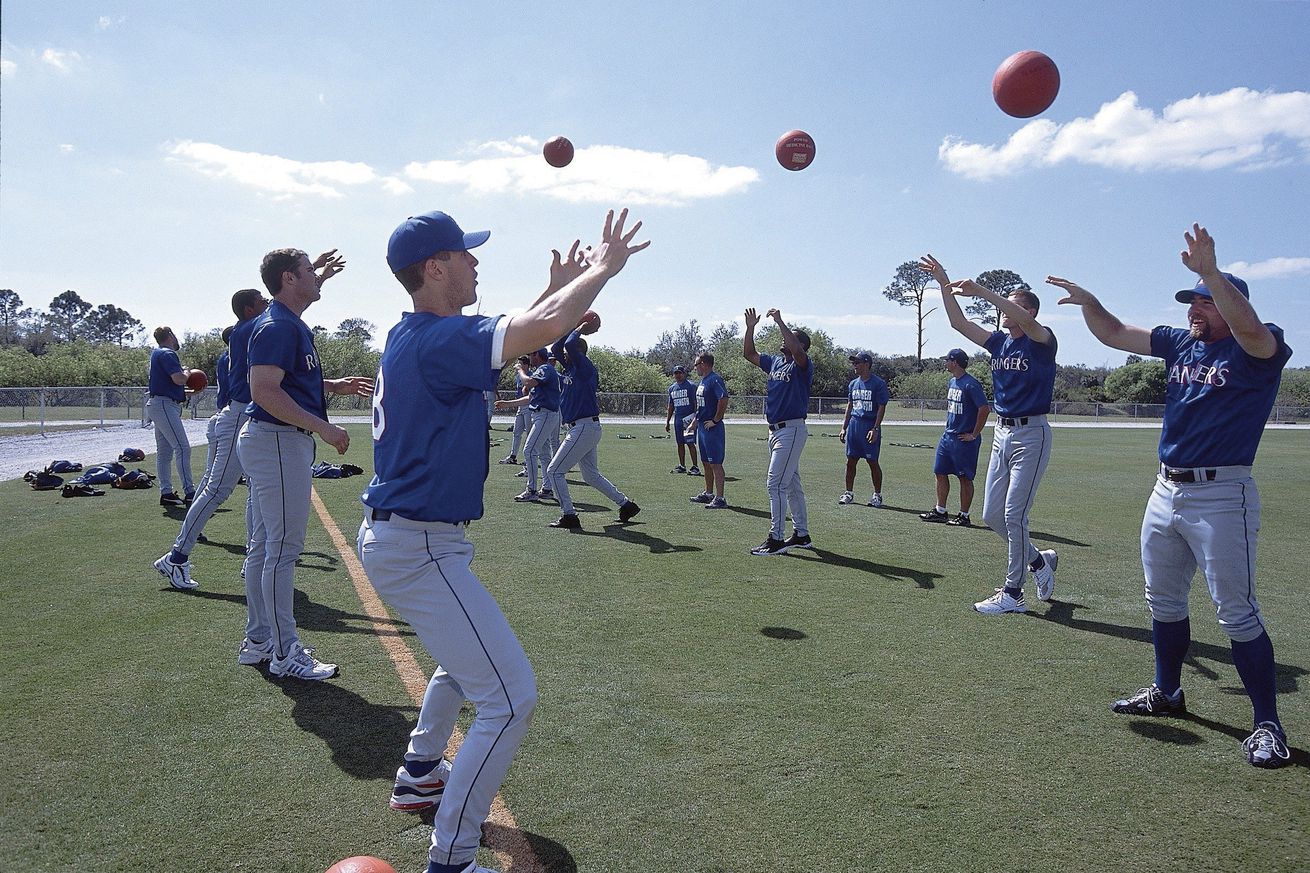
x,y
475,239
1185,295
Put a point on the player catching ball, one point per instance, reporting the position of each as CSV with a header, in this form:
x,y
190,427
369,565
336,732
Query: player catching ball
x,y
1224,369
430,448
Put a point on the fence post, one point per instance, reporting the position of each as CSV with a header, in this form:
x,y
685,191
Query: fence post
x,y
102,409
40,393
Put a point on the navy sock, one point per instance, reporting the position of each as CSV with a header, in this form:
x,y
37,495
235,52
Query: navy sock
x,y
434,867
1172,639
1038,564
420,768
1254,660
176,557
1016,593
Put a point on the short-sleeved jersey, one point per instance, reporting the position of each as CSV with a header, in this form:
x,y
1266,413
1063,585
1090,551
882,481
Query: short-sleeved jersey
x,y
682,397
1217,400
581,381
866,395
430,438
1023,374
163,364
709,392
788,393
546,393
222,378
281,339
238,368
964,397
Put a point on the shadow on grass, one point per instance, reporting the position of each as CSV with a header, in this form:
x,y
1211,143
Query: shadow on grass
x,y
554,858
1169,731
310,615
625,532
887,571
783,633
367,739
744,510
329,564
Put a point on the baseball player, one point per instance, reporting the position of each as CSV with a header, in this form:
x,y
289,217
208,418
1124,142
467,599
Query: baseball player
x,y
682,406
786,404
1224,370
521,422
861,429
1023,380
707,425
276,449
542,402
581,414
167,394
957,450
221,399
224,470
430,457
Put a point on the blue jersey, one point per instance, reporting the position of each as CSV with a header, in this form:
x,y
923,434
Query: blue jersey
x,y
682,396
866,395
221,377
430,437
1023,374
581,381
163,364
546,393
238,370
279,338
709,392
788,392
1217,400
964,397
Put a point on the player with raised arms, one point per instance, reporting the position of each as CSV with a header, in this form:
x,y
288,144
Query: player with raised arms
x,y
430,456
1224,370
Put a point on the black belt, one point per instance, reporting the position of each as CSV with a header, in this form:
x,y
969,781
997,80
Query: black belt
x,y
1188,475
385,515
779,426
1011,422
303,430
584,418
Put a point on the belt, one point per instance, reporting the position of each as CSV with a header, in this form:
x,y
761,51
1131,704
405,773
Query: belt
x,y
1202,475
584,418
385,515
303,430
794,422
1012,422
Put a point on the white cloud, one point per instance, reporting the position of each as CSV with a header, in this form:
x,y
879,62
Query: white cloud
x,y
1273,268
395,185
598,174
104,22
8,69
66,148
272,174
1238,129
62,61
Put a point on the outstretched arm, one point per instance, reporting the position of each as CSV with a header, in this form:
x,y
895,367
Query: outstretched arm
x,y
1104,326
1251,334
748,339
563,270
1031,327
975,333
789,340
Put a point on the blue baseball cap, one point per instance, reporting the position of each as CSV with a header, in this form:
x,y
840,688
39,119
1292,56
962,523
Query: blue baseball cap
x,y
862,357
1185,296
420,237
958,356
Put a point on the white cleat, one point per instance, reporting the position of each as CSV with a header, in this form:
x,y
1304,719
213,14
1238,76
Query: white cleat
x,y
178,575
846,497
1045,577
875,501
1000,603
300,664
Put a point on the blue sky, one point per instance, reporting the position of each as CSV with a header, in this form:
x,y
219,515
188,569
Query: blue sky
x,y
152,152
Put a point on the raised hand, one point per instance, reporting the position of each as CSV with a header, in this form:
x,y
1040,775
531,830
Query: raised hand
x,y
1078,296
966,288
1199,256
752,318
615,246
333,265
321,261
934,268
775,314
565,270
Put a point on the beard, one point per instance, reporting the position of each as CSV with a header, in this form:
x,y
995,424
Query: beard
x,y
1200,330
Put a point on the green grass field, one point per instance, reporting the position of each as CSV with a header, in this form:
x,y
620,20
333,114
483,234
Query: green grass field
x,y
700,709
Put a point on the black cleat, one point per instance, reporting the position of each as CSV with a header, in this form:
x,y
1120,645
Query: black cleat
x,y
172,498
933,515
568,520
1150,701
799,541
960,520
629,510
771,547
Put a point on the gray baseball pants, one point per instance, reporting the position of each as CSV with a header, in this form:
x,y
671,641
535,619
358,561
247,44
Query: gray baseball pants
x,y
579,449
220,477
1019,458
543,440
521,426
422,571
170,439
784,479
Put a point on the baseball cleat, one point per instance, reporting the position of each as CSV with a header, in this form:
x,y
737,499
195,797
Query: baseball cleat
x,y
568,520
528,496
693,471
171,498
799,541
961,520
1000,603
508,459
190,497
717,503
1045,577
771,547
934,515
412,793
678,469
521,473
1151,701
1267,747
629,510
846,497
178,575
254,654
876,500
300,664
546,494
703,497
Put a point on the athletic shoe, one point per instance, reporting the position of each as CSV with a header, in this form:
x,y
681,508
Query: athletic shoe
x,y
960,520
521,474
508,459
178,575
629,510
568,520
846,497
528,496
172,498
771,547
799,541
254,654
300,664
717,503
546,494
999,603
1151,701
934,515
1045,577
693,471
703,497
1267,747
412,793
875,501
678,469
190,497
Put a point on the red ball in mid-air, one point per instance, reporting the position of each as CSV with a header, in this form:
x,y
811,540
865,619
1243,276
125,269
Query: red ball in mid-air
x,y
794,150
1025,84
558,151
196,380
590,321
361,864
